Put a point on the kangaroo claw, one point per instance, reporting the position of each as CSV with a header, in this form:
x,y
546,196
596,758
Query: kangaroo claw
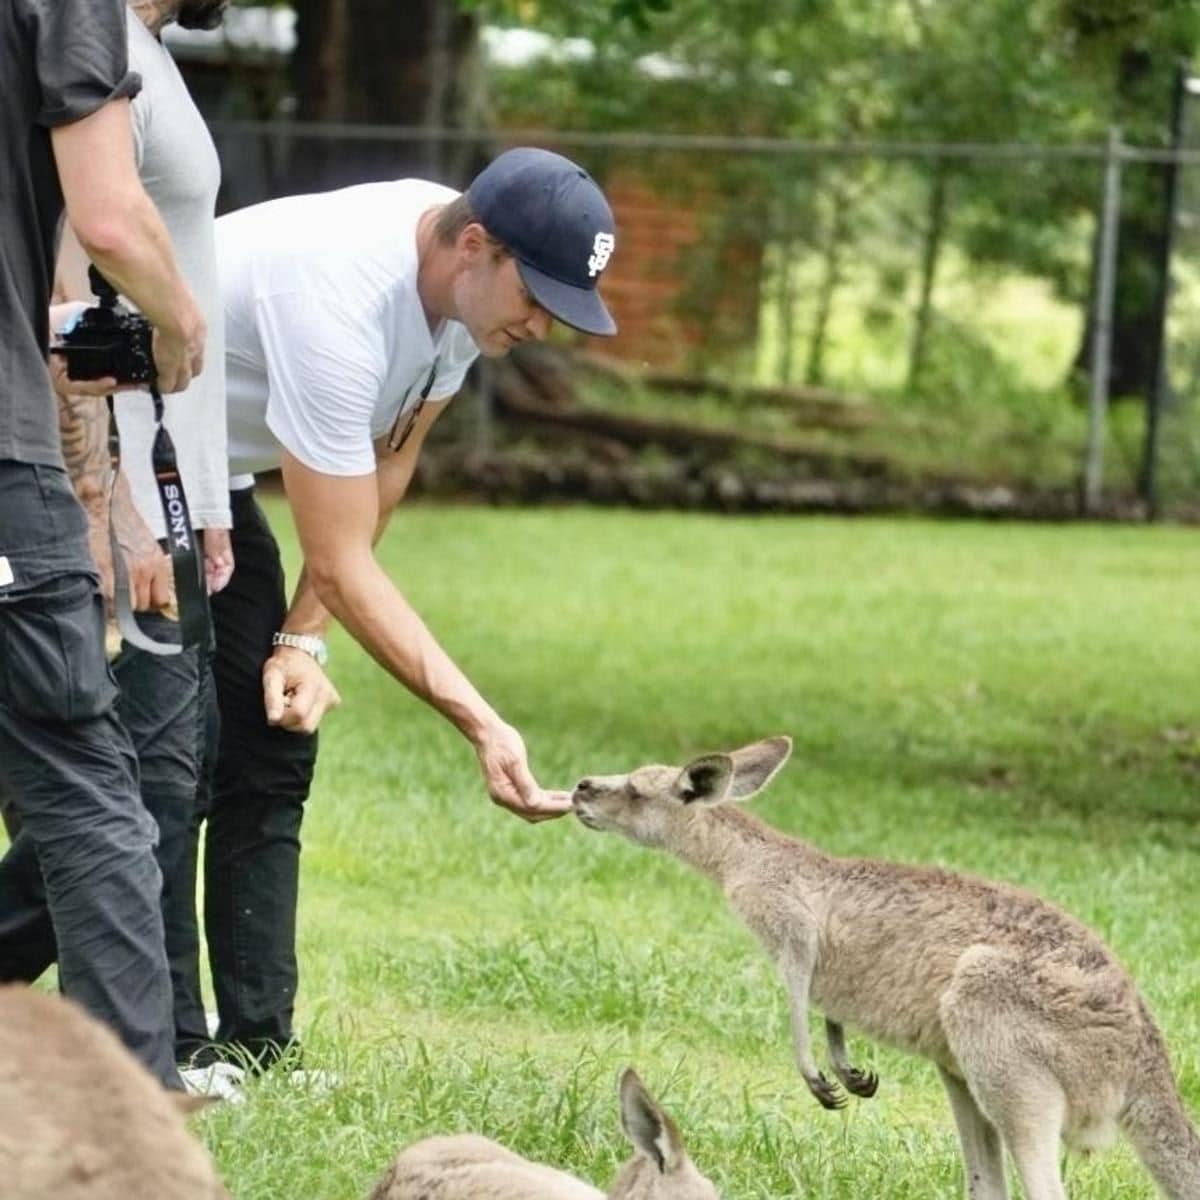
x,y
861,1083
828,1094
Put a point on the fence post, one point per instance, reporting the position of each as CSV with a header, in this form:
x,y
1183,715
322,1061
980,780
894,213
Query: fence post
x,y
1102,317
1185,86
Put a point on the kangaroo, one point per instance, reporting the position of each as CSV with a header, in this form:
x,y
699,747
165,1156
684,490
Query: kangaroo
x,y
82,1119
1038,1034
467,1167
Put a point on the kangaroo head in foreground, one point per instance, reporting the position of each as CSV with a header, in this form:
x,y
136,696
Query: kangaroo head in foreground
x,y
1038,1034
469,1167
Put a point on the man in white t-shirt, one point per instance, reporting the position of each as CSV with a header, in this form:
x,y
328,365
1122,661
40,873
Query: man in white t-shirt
x,y
351,318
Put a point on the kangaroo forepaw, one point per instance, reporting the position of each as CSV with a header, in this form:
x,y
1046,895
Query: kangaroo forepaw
x,y
861,1083
828,1094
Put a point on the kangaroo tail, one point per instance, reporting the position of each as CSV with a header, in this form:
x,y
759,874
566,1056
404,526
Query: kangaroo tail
x,y
1156,1122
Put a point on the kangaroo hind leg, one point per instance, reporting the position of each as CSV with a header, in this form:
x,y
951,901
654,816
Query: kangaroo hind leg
x,y
1028,1109
999,1038
982,1150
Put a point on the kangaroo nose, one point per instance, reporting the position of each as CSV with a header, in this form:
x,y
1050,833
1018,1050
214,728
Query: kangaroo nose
x,y
584,786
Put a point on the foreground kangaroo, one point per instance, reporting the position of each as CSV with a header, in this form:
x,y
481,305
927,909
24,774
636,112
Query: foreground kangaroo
x,y
81,1119
1038,1034
467,1167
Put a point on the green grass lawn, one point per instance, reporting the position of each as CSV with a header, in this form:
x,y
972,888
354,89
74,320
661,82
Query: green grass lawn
x,y
1015,701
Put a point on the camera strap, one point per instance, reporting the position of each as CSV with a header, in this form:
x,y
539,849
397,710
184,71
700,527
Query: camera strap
x,y
187,564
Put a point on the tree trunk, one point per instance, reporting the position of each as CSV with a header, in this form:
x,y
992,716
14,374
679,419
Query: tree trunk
x,y
832,276
935,232
1143,91
373,62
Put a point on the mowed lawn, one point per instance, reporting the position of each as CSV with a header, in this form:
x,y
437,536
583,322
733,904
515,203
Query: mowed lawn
x,y
1011,700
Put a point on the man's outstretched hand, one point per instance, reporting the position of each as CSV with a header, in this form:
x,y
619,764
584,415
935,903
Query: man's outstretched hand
x,y
510,783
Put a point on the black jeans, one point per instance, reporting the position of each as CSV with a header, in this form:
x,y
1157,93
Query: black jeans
x,y
255,805
163,704
69,766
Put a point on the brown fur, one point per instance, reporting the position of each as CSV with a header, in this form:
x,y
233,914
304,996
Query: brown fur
x,y
1038,1033
468,1167
81,1119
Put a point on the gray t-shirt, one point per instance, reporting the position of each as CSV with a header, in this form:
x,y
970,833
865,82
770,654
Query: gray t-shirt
x,y
180,171
60,60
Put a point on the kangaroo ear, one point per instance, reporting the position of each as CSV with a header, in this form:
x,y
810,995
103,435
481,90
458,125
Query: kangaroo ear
x,y
705,780
754,766
647,1126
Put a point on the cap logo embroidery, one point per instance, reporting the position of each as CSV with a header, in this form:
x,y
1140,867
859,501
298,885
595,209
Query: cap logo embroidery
x,y
602,249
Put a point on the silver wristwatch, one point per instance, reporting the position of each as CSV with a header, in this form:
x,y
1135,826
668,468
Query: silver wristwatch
x,y
310,643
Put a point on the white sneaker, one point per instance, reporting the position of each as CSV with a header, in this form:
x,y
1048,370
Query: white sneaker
x,y
221,1080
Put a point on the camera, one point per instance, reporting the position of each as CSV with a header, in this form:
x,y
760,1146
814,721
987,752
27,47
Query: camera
x,y
108,339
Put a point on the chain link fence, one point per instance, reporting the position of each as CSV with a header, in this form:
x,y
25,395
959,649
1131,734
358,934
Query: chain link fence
x,y
949,313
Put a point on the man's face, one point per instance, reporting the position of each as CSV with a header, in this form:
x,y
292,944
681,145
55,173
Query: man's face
x,y
201,14
494,304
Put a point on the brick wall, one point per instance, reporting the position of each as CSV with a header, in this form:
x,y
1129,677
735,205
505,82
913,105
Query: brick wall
x,y
676,295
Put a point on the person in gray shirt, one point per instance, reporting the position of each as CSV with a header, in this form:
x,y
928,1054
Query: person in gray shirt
x,y
162,699
64,755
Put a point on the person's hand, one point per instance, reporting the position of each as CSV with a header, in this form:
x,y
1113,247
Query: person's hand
x,y
64,385
218,559
296,691
61,317
510,783
178,359
151,582
151,579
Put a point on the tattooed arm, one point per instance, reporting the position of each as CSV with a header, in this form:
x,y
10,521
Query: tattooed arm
x,y
83,432
83,429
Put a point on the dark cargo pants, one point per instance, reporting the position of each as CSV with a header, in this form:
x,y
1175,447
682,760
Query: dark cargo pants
x,y
70,768
167,705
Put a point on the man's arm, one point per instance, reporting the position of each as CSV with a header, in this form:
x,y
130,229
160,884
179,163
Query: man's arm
x,y
83,427
393,473
336,518
83,431
121,232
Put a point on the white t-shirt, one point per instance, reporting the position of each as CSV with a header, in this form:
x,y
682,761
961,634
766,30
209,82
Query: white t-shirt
x,y
180,171
326,340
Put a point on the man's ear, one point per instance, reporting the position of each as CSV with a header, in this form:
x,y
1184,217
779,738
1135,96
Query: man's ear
x,y
705,780
474,241
754,766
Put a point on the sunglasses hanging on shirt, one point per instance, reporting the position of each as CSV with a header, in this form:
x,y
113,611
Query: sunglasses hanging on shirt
x,y
406,420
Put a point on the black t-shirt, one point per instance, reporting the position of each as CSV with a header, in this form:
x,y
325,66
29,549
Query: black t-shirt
x,y
59,61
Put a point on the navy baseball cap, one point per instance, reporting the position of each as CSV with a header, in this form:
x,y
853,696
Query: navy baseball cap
x,y
554,218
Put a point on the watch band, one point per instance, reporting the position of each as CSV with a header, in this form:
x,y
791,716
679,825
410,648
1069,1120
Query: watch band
x,y
310,643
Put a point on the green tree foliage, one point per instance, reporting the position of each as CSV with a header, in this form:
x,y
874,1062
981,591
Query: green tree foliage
x,y
1046,71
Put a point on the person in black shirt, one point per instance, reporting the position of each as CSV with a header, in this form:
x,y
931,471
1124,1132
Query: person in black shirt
x,y
65,136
